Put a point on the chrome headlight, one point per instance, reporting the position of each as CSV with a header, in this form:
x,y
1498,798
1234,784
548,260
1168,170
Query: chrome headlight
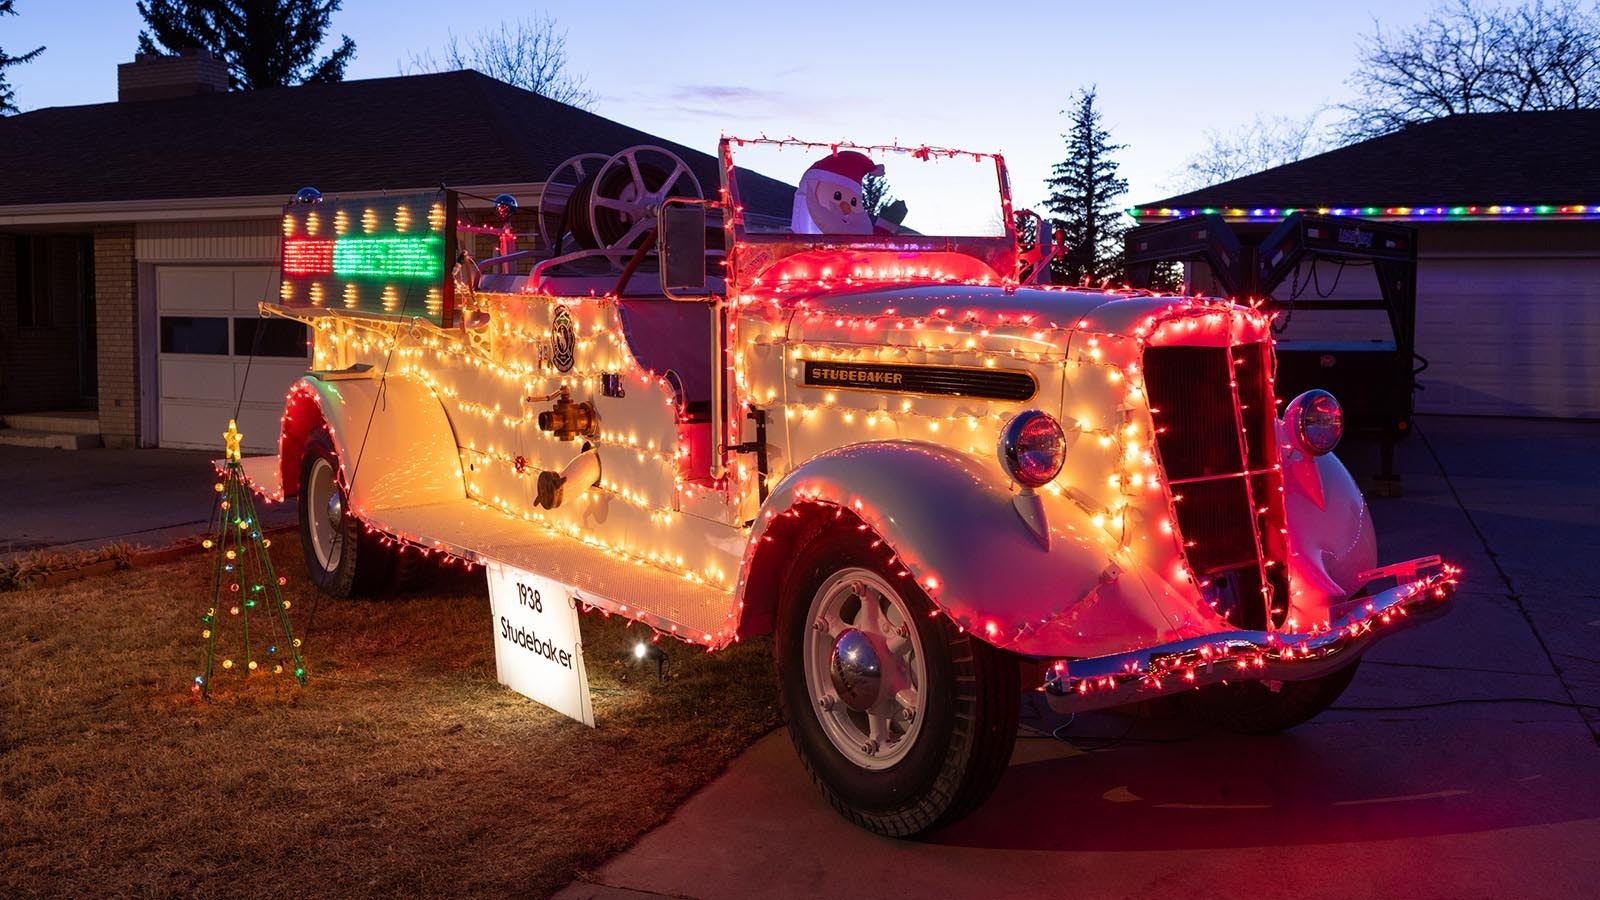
x,y
1033,448
1314,422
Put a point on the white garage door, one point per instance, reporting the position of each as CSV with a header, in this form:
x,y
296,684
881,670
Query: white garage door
x,y
1517,337
217,354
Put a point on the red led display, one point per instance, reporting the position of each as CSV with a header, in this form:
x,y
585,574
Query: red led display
x,y
307,256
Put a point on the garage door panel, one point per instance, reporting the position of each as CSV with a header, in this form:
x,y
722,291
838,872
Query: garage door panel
x,y
250,287
197,380
269,382
194,289
208,316
1509,336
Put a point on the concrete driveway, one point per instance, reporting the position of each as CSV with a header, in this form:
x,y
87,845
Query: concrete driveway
x,y
79,499
1454,767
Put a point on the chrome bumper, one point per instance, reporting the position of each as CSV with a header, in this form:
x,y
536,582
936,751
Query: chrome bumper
x,y
1084,684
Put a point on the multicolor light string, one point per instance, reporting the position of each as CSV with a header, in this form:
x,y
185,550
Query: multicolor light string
x,y
244,584
1437,212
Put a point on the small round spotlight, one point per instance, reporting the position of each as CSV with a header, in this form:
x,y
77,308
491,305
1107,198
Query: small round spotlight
x,y
1033,448
1315,422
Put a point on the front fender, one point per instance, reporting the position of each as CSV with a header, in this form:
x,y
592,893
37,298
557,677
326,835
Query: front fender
x,y
395,443
952,523
1331,540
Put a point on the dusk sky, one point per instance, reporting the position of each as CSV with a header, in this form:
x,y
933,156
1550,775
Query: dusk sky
x,y
976,76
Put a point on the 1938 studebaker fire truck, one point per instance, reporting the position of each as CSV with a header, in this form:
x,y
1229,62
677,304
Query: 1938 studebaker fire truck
x,y
924,473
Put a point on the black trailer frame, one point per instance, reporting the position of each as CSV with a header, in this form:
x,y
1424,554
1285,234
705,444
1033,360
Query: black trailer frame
x,y
1374,380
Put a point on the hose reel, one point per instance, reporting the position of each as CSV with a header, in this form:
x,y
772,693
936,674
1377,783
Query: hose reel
x,y
614,204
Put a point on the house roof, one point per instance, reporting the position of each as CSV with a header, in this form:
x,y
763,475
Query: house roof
x,y
417,131
1480,160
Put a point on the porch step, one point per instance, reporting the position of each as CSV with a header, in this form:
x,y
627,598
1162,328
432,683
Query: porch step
x,y
71,422
59,440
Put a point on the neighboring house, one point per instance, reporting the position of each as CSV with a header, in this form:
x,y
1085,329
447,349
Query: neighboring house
x,y
138,237
1507,212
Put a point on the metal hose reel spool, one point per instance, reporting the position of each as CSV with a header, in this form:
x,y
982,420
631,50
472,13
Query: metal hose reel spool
x,y
617,205
558,190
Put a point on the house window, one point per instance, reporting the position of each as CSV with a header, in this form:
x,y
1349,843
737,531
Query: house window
x,y
52,274
270,337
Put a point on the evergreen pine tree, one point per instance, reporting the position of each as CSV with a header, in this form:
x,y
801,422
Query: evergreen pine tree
x,y
1082,200
6,62
264,43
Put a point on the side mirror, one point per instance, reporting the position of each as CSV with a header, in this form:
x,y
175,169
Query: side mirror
x,y
683,247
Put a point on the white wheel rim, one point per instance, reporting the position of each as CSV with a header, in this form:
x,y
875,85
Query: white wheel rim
x,y
882,734
326,540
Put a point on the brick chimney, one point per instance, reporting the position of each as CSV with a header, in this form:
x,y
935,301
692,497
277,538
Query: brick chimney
x,y
154,77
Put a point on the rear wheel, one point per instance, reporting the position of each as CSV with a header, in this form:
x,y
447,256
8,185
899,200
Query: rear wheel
x,y
1255,708
342,559
904,722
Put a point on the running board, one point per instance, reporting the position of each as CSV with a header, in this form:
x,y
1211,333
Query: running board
x,y
679,605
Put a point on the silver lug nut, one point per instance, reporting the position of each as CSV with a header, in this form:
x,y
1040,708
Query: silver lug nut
x,y
870,748
827,702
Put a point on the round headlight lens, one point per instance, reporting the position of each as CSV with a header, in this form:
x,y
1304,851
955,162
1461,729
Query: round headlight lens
x,y
1316,421
1033,448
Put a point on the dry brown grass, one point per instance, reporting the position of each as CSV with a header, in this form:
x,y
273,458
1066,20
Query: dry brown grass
x,y
401,769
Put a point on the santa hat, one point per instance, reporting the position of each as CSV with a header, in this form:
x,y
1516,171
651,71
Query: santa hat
x,y
846,168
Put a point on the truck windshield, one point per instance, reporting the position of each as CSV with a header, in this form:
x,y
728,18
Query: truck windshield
x,y
844,190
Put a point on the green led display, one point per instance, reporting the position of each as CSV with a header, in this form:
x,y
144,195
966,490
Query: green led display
x,y
389,257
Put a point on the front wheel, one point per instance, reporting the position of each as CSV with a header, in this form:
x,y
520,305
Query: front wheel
x,y
903,721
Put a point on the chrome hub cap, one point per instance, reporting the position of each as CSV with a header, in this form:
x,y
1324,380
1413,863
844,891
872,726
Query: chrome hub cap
x,y
854,670
865,669
327,529
335,510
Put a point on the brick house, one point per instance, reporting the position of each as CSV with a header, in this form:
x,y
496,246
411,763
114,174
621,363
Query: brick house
x,y
137,237
1507,212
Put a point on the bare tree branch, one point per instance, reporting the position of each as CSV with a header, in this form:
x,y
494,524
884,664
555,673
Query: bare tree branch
x,y
528,53
1470,56
1266,142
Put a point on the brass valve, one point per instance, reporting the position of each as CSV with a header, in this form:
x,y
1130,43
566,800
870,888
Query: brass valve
x,y
569,420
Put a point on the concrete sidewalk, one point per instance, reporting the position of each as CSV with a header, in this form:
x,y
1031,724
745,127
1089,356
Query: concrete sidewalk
x,y
1496,797
70,500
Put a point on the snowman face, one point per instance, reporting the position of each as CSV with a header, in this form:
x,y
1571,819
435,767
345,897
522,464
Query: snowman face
x,y
837,209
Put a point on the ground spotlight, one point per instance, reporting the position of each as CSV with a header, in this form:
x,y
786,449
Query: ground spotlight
x,y
644,651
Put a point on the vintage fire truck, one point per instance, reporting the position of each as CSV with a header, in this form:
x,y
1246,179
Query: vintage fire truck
x,y
936,481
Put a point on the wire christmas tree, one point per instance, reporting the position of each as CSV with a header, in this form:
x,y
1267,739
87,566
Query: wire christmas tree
x,y
244,586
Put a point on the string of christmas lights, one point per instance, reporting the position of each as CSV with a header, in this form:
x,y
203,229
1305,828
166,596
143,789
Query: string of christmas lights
x,y
244,586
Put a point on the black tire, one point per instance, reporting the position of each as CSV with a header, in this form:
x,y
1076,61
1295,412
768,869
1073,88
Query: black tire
x,y
966,702
1254,708
341,558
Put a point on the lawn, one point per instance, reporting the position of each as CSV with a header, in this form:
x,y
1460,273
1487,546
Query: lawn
x,y
401,769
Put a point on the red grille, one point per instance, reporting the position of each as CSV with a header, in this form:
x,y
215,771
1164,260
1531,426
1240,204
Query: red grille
x,y
1214,418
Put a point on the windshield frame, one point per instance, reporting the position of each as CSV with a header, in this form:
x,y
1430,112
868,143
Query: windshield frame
x,y
754,252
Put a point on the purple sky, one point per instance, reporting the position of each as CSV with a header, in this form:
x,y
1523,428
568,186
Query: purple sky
x,y
978,76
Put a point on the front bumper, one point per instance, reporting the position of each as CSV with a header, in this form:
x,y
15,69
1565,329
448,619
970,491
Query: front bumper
x,y
1080,685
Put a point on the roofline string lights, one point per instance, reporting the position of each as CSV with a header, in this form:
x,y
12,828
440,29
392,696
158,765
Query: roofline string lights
x,y
1507,211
